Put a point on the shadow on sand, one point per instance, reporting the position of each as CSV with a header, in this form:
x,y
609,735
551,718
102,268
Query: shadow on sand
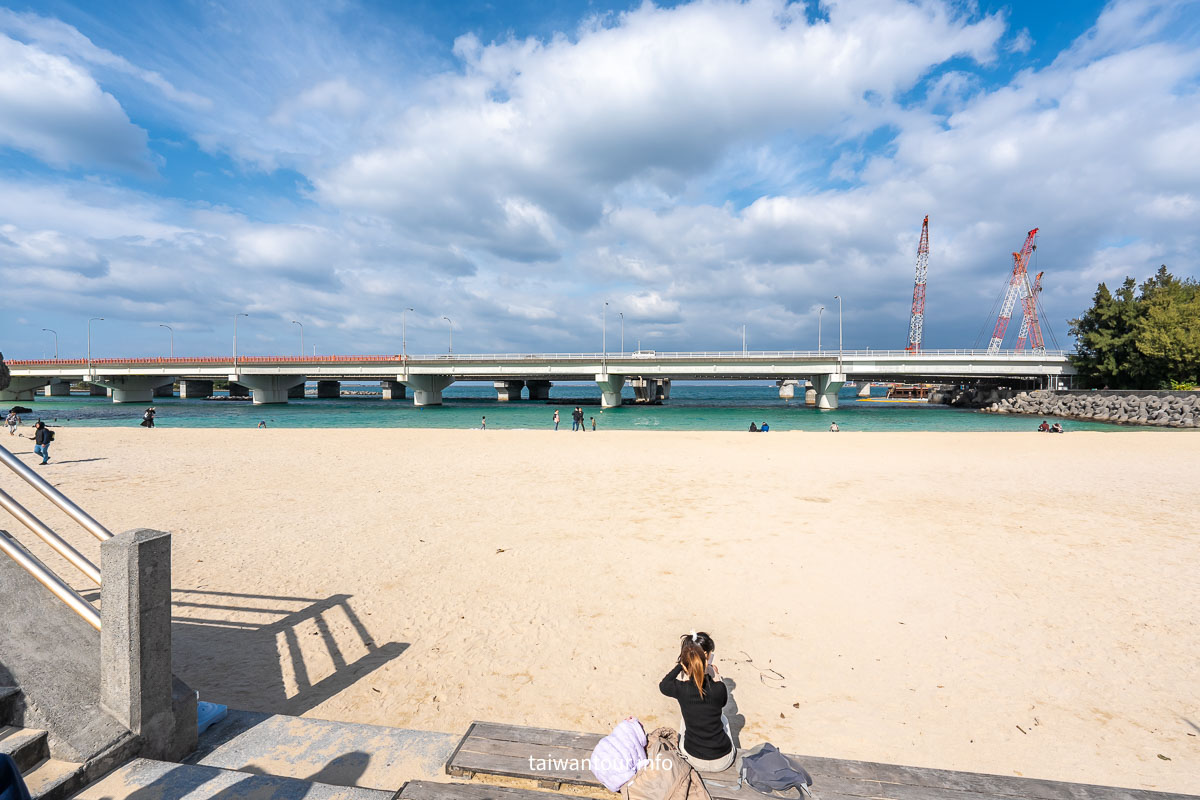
x,y
272,653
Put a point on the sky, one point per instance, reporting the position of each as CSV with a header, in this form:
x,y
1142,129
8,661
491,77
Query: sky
x,y
698,166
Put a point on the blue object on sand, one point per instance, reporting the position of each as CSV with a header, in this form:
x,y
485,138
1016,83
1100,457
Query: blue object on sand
x,y
208,714
12,785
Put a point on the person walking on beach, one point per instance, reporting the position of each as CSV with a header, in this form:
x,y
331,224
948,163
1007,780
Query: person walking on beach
x,y
577,419
13,421
556,419
483,425
593,423
42,437
704,738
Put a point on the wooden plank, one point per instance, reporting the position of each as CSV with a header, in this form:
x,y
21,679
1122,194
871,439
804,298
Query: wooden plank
x,y
429,790
517,768
522,751
542,736
452,770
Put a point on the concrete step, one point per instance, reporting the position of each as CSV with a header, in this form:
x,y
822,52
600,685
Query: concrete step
x,y
10,698
339,753
145,779
54,779
28,747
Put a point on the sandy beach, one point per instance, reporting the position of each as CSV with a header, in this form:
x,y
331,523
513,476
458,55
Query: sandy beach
x,y
1020,604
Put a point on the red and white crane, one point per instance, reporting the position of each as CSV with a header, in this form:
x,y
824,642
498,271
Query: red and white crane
x,y
916,322
1031,328
1018,286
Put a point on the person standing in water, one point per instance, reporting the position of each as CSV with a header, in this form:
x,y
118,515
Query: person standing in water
x,y
704,737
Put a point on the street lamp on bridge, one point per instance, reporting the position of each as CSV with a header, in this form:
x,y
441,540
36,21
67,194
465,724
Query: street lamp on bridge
x,y
294,322
90,321
235,319
838,297
172,330
403,336
47,330
451,350
820,311
621,314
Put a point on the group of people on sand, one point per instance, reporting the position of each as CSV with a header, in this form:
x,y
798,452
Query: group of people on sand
x,y
1046,427
833,427
577,423
757,429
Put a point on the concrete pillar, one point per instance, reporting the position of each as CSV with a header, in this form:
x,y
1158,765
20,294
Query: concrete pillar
x,y
610,389
238,390
135,636
166,390
267,389
194,389
787,389
57,389
23,388
865,390
393,390
329,390
96,390
665,385
538,390
297,391
810,393
827,390
508,390
427,389
134,388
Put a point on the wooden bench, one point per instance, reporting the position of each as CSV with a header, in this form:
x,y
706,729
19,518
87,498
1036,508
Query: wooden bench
x,y
552,757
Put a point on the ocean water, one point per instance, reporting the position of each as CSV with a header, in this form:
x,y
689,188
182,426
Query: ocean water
x,y
692,407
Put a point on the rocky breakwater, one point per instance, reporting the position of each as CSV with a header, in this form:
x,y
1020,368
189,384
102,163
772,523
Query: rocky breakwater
x,y
1164,409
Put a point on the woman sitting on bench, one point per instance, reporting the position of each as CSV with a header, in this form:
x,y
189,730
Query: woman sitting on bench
x,y
704,737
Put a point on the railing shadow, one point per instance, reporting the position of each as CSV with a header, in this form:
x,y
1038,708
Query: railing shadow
x,y
272,653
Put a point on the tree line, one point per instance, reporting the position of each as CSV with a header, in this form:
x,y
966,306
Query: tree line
x,y
1140,337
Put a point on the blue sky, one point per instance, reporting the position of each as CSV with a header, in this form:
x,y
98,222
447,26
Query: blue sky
x,y
513,166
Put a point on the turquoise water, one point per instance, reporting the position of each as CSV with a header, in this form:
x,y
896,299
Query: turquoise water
x,y
692,407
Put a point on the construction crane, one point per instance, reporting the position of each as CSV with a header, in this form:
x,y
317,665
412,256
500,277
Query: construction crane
x,y
916,322
1031,329
1018,285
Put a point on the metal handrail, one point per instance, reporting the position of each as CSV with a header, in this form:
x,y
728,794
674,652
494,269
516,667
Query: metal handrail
x,y
51,538
54,495
31,564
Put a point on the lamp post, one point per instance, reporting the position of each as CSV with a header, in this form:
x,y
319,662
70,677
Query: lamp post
x,y
403,336
55,342
743,338
604,337
451,350
172,330
820,311
621,314
235,319
838,297
90,321
294,322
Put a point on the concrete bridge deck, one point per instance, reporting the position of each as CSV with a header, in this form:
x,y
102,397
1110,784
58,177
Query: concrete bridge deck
x,y
272,379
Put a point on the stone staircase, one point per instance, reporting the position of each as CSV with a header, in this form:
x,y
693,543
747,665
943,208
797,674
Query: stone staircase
x,y
47,778
277,757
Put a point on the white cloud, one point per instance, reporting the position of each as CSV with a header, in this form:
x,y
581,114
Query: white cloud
x,y
55,111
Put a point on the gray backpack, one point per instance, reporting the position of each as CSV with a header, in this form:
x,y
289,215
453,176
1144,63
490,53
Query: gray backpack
x,y
771,772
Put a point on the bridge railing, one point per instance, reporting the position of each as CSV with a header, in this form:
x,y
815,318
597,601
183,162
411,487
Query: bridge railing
x,y
645,355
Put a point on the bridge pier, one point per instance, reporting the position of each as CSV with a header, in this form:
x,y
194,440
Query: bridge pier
x,y
827,390
810,393
58,389
787,389
538,390
650,390
166,390
238,390
266,389
393,390
508,390
192,389
22,388
96,390
610,389
427,389
133,388
329,390
865,390
297,391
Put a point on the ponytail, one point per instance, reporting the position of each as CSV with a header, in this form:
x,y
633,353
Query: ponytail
x,y
693,657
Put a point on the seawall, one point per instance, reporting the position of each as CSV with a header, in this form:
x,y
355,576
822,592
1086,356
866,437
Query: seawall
x,y
1134,407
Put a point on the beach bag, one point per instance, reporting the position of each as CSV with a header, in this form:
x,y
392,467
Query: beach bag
x,y
49,436
666,775
769,771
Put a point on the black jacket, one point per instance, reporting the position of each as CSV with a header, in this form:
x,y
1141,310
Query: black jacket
x,y
41,436
705,735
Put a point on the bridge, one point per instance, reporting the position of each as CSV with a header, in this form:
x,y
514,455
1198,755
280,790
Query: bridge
x,y
275,379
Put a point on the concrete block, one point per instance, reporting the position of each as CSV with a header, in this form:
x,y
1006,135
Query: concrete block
x,y
135,635
329,390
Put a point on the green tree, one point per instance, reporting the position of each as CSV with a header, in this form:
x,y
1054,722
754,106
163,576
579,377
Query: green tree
x,y
1141,337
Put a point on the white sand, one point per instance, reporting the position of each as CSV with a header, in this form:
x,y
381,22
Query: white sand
x,y
1012,603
